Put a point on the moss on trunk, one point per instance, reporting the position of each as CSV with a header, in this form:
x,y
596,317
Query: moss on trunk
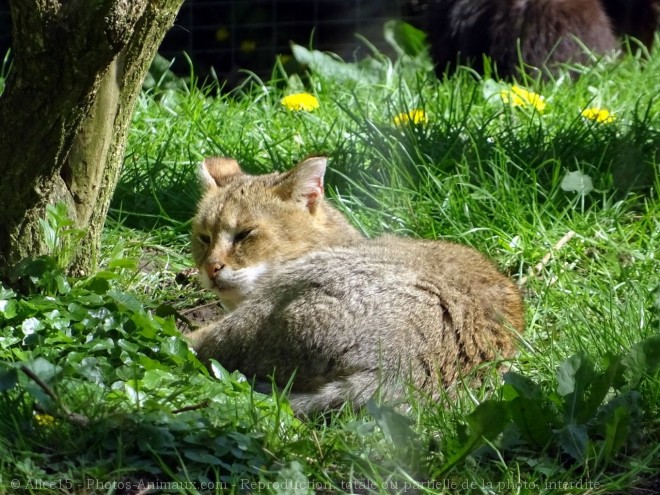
x,y
78,69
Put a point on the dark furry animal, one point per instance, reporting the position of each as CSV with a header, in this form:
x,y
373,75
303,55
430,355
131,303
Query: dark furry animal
x,y
543,33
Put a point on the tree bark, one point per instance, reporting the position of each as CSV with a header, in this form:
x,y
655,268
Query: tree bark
x,y
77,71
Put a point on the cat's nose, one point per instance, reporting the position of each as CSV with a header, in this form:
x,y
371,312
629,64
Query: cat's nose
x,y
212,269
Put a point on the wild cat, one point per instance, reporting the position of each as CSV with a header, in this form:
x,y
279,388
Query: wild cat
x,y
310,298
543,33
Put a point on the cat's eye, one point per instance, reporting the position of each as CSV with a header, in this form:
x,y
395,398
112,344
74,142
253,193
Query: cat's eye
x,y
204,239
242,235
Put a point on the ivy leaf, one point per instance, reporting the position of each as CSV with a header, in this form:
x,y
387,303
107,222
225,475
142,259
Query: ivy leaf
x,y
577,182
47,372
203,457
404,38
31,326
175,348
367,70
124,300
8,377
8,308
219,371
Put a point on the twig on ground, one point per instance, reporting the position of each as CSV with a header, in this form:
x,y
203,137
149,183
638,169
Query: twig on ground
x,y
202,306
193,407
72,417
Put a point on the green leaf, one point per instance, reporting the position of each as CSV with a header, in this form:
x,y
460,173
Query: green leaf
x,y
523,385
404,38
63,285
145,325
35,268
597,391
492,90
219,371
332,68
362,428
8,377
8,308
155,379
574,376
202,457
577,182
128,263
573,440
487,421
533,420
151,364
651,348
130,347
165,310
617,429
43,368
292,479
156,437
642,360
98,284
175,347
102,345
31,326
47,372
125,301
395,426
6,293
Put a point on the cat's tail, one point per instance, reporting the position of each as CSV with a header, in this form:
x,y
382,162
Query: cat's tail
x,y
355,390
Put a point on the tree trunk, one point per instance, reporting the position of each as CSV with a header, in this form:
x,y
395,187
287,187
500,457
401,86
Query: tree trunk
x,y
64,115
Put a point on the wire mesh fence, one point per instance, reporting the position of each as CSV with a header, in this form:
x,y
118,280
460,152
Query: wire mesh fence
x,y
230,35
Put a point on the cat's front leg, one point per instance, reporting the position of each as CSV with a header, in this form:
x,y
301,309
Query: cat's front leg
x,y
198,338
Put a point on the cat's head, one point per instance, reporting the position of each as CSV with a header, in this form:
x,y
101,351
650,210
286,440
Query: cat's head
x,y
246,225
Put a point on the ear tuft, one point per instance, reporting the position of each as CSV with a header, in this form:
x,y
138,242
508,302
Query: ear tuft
x,y
215,170
307,181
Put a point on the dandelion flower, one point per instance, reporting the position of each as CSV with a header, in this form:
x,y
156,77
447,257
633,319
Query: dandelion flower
x,y
222,34
248,46
600,115
416,116
300,102
44,420
520,97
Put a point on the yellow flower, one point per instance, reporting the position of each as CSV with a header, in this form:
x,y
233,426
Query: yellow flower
x,y
600,115
520,97
300,102
44,419
222,34
248,46
415,116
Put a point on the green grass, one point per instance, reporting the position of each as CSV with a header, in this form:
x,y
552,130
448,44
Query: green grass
x,y
478,172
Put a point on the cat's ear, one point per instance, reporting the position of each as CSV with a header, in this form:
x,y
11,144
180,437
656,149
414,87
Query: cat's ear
x,y
215,170
304,183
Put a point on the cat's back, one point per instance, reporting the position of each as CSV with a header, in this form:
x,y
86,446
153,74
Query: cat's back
x,y
400,276
437,308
